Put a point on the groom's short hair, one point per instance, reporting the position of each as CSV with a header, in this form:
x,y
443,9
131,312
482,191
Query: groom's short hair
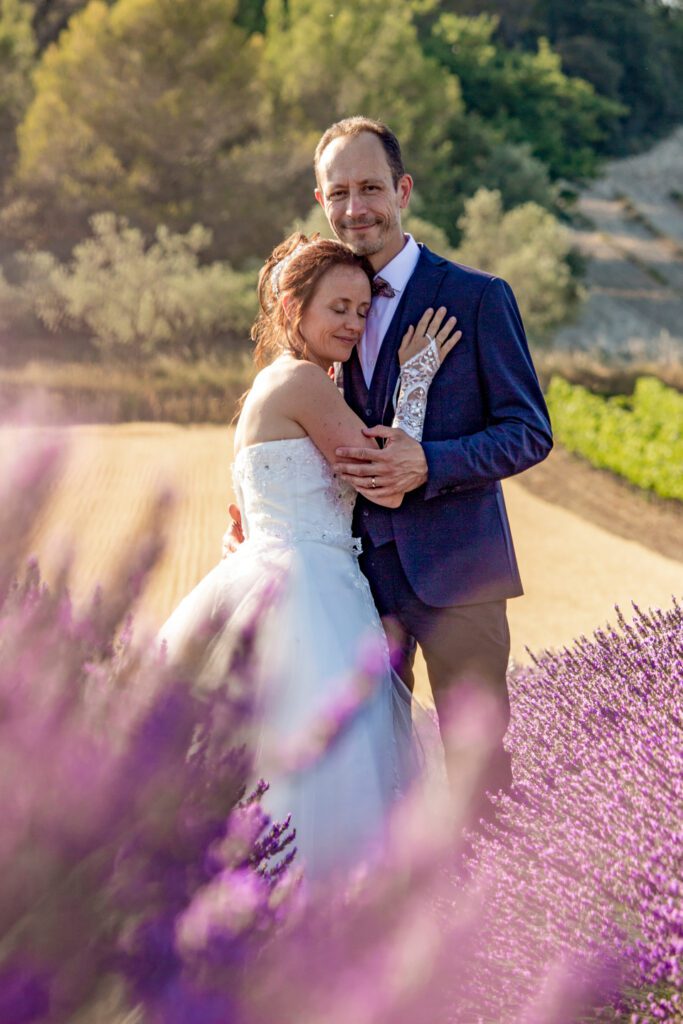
x,y
356,126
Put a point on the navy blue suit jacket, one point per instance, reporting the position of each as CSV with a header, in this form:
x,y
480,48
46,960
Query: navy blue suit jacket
x,y
486,420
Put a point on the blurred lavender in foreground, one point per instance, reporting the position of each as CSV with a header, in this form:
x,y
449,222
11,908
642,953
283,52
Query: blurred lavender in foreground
x,y
121,787
140,885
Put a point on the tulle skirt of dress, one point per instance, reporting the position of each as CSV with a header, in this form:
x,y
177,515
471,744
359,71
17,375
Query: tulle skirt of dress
x,y
316,633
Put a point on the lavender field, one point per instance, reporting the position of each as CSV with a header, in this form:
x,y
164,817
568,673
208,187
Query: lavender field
x,y
144,883
142,876
152,154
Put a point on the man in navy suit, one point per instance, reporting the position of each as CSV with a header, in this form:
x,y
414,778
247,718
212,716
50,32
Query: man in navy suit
x,y
442,565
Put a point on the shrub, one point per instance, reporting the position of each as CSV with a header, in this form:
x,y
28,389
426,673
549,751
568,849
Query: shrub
x,y
137,299
640,438
526,246
14,308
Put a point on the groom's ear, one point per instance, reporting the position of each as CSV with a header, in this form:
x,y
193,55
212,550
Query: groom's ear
x,y
319,197
404,187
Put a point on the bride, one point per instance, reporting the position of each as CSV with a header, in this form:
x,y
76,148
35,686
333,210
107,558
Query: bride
x,y
321,646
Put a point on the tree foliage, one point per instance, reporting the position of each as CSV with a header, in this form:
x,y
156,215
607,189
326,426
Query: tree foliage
x,y
49,18
154,108
320,68
527,247
16,57
17,54
179,112
221,131
643,38
526,95
631,51
176,113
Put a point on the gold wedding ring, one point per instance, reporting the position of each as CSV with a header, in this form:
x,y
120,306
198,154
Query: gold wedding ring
x,y
373,482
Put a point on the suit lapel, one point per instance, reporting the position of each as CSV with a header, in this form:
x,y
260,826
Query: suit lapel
x,y
419,294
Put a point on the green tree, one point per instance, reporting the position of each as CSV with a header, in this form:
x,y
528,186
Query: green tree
x,y
639,37
525,95
154,108
325,61
49,18
630,50
17,50
251,15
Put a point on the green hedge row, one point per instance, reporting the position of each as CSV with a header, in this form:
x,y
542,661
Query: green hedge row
x,y
639,436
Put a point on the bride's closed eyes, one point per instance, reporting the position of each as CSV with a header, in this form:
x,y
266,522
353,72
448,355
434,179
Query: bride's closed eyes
x,y
362,311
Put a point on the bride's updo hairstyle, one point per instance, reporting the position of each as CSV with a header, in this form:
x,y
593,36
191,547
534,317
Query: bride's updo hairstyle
x,y
295,267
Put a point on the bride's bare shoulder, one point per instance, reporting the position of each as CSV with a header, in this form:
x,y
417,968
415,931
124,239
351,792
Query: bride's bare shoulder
x,y
299,379
297,397
285,370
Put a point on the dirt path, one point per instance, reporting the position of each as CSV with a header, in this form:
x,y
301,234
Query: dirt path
x,y
584,542
609,502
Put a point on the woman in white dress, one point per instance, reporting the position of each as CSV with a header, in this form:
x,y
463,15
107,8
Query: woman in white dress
x,y
320,640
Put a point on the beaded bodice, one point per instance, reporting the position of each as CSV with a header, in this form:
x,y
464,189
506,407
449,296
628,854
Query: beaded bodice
x,y
287,489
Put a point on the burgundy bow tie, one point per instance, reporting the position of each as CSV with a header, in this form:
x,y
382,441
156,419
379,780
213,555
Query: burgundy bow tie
x,y
382,288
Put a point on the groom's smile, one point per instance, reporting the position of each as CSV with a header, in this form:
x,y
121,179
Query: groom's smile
x,y
365,224
353,226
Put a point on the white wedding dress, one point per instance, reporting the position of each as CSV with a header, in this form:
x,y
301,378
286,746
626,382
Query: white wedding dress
x,y
319,634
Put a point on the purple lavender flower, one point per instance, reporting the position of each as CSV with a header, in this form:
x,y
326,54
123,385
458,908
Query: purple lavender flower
x,y
23,994
118,777
138,876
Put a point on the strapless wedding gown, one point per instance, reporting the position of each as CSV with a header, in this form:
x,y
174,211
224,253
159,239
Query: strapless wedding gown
x,y
318,634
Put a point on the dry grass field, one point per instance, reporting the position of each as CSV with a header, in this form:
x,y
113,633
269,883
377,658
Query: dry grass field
x,y
573,569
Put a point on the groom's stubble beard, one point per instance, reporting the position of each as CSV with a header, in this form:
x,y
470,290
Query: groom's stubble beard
x,y
366,246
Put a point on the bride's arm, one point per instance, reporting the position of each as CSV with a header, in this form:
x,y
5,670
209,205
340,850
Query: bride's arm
x,y
317,405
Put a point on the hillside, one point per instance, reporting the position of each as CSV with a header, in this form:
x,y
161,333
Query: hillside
x,y
630,230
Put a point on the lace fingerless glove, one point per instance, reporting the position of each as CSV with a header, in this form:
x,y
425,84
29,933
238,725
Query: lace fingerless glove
x,y
410,397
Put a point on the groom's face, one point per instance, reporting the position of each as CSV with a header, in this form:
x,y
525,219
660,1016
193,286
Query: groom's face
x,y
360,199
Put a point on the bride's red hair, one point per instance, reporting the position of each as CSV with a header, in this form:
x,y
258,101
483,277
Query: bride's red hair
x,y
294,267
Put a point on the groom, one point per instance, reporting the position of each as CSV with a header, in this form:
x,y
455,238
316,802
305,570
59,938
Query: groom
x,y
441,566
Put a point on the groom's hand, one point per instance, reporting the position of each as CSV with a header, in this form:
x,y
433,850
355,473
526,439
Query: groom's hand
x,y
398,467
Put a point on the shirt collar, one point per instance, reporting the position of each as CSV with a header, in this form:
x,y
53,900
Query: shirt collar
x,y
398,271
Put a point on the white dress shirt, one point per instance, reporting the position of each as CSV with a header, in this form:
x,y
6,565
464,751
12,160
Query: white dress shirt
x,y
397,273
